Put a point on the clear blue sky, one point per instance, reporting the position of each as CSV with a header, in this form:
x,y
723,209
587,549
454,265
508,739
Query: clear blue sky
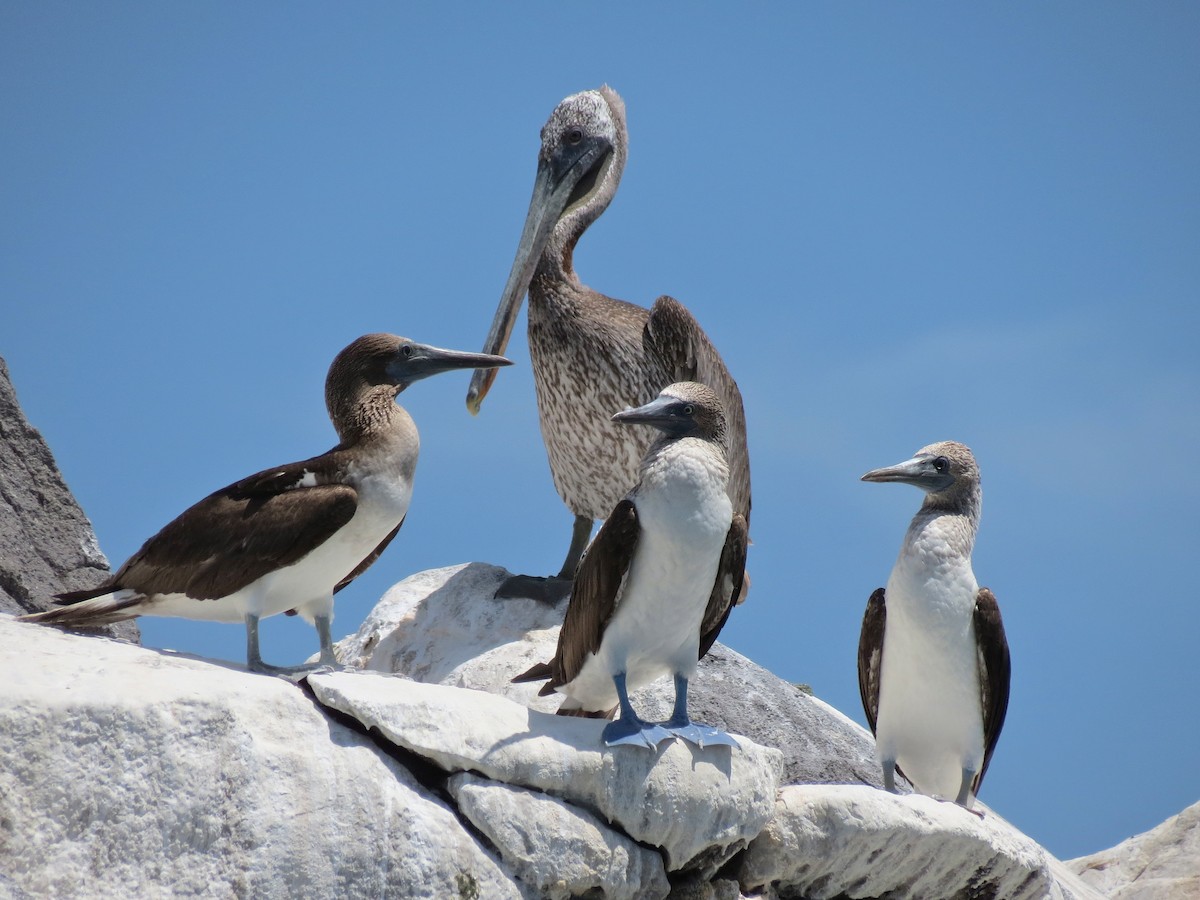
x,y
900,224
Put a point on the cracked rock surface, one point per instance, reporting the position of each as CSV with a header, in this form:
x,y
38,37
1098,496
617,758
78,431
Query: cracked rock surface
x,y
46,542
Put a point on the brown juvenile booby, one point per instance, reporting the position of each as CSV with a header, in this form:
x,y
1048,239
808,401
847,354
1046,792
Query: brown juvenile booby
x,y
649,597
290,537
592,354
933,663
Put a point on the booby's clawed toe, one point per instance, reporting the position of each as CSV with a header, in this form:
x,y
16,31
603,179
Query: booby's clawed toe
x,y
550,590
634,732
291,673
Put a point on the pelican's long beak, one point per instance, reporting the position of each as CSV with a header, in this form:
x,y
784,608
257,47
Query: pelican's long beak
x,y
545,207
554,189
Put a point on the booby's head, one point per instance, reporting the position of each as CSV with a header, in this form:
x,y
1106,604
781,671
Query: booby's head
x,y
368,375
579,167
683,409
945,471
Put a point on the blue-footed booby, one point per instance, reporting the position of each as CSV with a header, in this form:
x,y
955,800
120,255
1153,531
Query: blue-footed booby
x,y
933,664
592,354
657,584
286,539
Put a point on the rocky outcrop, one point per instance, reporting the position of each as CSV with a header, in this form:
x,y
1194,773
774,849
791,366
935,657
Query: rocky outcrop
x,y
133,772
850,841
46,543
1160,864
832,833
127,772
697,806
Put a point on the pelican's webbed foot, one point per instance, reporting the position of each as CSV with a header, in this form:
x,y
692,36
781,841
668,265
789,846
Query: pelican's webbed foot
x,y
550,590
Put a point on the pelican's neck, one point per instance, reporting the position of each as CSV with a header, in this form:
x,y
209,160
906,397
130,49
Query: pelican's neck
x,y
557,260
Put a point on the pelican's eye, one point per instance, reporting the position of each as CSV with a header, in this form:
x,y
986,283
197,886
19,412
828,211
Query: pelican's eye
x,y
941,465
573,136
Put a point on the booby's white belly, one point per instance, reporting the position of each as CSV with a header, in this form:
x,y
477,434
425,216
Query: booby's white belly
x,y
307,585
684,520
930,719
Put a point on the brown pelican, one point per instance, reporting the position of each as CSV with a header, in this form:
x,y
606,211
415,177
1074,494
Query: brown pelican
x,y
592,354
288,538
933,664
648,597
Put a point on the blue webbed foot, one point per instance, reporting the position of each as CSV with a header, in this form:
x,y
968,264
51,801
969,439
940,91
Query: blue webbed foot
x,y
699,735
636,732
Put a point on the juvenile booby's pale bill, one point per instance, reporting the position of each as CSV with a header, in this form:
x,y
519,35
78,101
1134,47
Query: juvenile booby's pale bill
x,y
288,538
933,663
592,354
650,596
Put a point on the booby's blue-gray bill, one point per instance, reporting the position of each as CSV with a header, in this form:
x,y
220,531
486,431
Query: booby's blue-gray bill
x,y
659,581
592,354
286,539
933,660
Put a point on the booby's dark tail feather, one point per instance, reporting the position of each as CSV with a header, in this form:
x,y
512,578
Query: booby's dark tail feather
x,y
538,672
88,608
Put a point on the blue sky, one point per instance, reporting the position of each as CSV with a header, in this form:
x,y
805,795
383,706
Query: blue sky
x,y
899,223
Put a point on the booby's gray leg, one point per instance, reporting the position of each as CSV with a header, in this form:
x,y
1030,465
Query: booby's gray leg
x,y
550,590
685,729
325,636
253,656
628,728
254,660
889,775
964,790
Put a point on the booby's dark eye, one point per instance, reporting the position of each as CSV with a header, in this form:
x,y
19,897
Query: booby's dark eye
x,y
573,136
941,465
406,350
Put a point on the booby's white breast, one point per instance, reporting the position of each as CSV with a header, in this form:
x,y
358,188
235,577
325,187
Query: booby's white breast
x,y
684,515
930,719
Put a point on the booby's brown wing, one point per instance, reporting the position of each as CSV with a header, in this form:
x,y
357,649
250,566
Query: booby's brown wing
x,y
677,341
728,585
870,655
594,597
995,671
234,536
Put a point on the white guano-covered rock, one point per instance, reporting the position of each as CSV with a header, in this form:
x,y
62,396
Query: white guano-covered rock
x,y
1160,864
848,840
698,806
558,849
444,627
126,772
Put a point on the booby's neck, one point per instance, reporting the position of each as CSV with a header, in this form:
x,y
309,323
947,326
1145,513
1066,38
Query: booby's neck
x,y
370,414
696,460
942,530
